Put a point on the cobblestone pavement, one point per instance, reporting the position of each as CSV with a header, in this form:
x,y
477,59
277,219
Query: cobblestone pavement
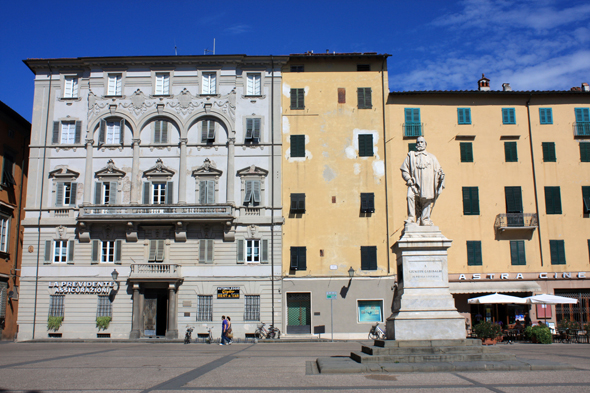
x,y
279,367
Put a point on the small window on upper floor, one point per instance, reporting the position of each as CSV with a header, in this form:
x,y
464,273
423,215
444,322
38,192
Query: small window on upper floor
x,y
363,67
297,145
470,201
7,178
252,130
557,249
160,131
552,200
298,203
252,251
66,132
365,145
70,87
549,151
111,131
208,131
158,192
298,258
106,251
545,116
115,85
367,202
207,192
368,257
464,115
252,193
253,84
297,98
206,251
297,68
508,116
585,151
510,152
105,193
412,125
4,233
364,98
466,150
517,253
474,253
162,83
582,126
156,253
209,83
66,194
586,200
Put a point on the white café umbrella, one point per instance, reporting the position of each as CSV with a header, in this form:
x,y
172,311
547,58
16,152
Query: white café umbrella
x,y
550,299
497,298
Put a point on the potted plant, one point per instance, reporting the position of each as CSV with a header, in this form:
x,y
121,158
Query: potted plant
x,y
488,332
53,323
539,334
102,323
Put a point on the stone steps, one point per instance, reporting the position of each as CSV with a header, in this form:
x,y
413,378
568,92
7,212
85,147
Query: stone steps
x,y
361,357
378,351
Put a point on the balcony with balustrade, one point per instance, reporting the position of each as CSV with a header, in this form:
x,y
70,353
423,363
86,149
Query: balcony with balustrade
x,y
155,272
582,128
512,221
151,213
413,130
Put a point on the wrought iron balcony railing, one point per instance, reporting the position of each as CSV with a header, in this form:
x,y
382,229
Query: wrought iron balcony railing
x,y
413,129
154,271
582,129
152,211
516,221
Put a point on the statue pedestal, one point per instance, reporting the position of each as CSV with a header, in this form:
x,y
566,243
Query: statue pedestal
x,y
424,309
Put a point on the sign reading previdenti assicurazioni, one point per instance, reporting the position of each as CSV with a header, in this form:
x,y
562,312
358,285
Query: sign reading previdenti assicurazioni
x,y
81,287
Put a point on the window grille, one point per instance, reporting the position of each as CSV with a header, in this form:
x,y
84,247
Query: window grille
x,y
56,305
252,308
104,307
205,308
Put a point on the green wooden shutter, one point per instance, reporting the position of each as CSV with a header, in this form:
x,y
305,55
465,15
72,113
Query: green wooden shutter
x,y
364,98
95,251
466,150
55,136
70,252
294,258
586,199
264,251
411,147
557,252
517,253
240,251
78,132
302,257
118,251
582,115
552,200
545,116
470,201
549,152
474,253
463,115
585,151
297,145
48,246
513,199
293,98
510,152
508,116
365,145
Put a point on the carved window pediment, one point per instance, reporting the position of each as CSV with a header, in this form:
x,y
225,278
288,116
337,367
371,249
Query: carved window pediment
x,y
63,173
207,169
159,171
252,170
110,172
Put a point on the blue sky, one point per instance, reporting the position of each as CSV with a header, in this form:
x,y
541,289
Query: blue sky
x,y
435,45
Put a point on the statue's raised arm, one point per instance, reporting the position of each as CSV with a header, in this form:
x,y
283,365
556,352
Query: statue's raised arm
x,y
425,180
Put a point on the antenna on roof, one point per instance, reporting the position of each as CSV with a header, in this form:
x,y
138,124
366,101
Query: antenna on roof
x,y
175,48
208,51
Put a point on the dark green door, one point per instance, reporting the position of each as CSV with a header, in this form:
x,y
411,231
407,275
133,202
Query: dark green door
x,y
298,313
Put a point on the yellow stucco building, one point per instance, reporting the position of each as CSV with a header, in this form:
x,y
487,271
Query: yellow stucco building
x,y
334,183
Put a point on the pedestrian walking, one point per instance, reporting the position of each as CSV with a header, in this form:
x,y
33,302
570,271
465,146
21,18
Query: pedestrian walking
x,y
224,325
229,334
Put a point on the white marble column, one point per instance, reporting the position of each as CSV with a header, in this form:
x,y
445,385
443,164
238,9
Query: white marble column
x,y
135,178
172,331
89,171
182,173
230,169
136,313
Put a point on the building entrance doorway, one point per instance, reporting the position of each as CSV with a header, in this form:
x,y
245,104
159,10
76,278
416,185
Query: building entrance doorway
x,y
155,311
298,313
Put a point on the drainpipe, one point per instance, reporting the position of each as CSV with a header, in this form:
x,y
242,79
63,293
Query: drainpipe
x,y
383,98
41,200
528,112
272,197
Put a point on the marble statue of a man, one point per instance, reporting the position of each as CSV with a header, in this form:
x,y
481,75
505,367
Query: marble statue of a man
x,y
425,180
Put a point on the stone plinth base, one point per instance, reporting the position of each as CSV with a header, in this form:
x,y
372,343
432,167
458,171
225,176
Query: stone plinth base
x,y
437,327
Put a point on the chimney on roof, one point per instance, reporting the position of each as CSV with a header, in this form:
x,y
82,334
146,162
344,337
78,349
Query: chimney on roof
x,y
585,87
483,84
506,87
576,88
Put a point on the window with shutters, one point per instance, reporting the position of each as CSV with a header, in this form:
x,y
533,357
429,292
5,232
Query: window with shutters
x,y
209,83
206,192
253,84
557,248
111,131
297,68
513,199
367,202
66,194
474,253
160,131
70,87
56,305
471,201
115,85
68,132
156,252
204,307
297,145
158,193
252,194
107,254
4,233
586,199
466,149
411,147
162,83
552,200
364,98
206,251
7,170
545,116
298,203
105,193
510,152
464,115
104,307
517,254
60,251
298,258
585,151
252,250
412,125
549,152
365,145
208,131
106,251
252,130
582,126
508,116
368,257
297,98
252,308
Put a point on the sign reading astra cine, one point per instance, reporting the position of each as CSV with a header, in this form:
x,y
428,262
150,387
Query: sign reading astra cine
x,y
82,287
228,292
516,276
